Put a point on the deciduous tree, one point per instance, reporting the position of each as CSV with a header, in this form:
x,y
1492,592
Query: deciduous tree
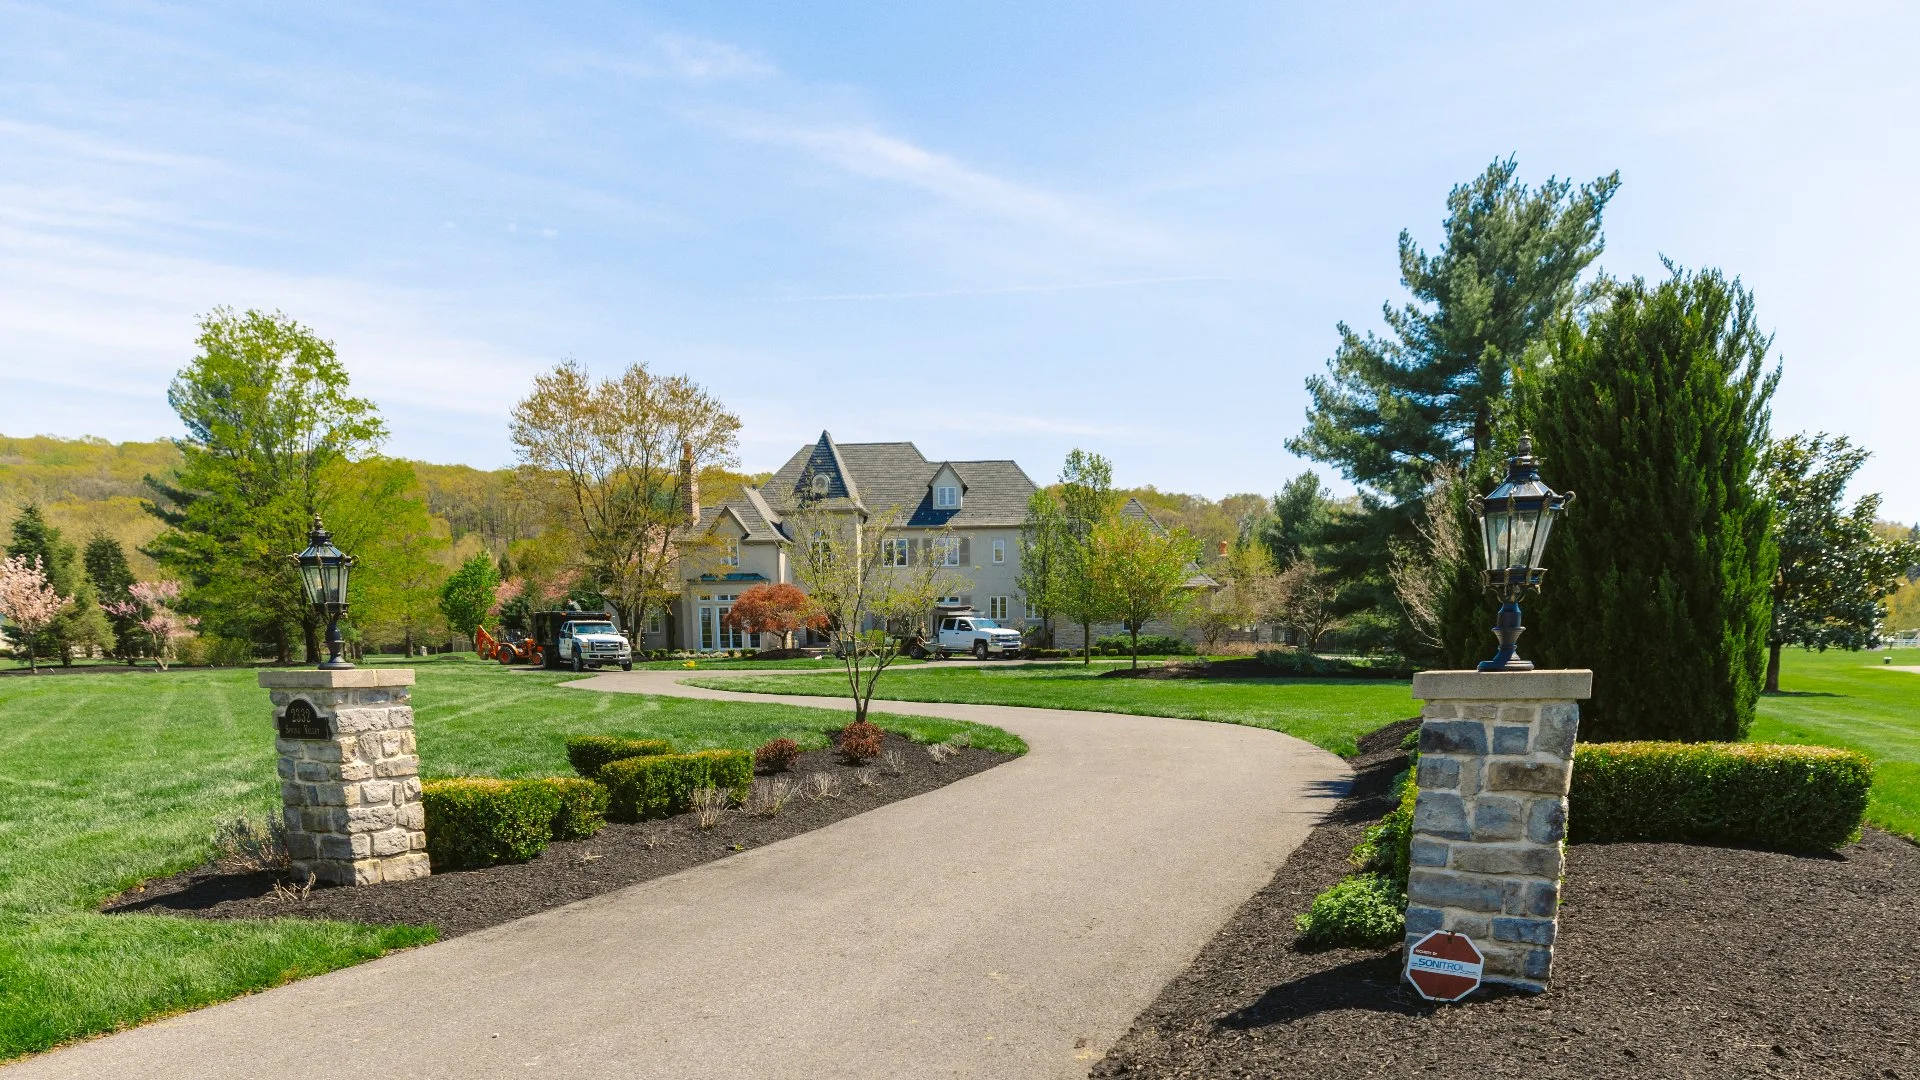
x,y
775,608
149,606
1306,602
28,602
1142,570
468,594
608,459
267,409
1087,501
1834,568
1044,538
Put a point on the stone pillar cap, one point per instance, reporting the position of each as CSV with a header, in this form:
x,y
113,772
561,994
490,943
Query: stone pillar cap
x,y
1565,684
315,679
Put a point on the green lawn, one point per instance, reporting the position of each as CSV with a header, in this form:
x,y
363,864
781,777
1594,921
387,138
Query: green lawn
x,y
107,780
1329,713
1853,700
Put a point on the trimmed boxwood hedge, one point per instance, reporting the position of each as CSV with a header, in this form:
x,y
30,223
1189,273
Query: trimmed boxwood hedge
x,y
661,785
583,806
479,821
588,754
1788,798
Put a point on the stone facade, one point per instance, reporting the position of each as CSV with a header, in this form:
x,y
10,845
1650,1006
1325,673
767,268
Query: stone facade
x,y
354,815
1496,756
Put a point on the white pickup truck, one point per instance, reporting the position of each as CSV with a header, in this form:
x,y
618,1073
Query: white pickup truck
x,y
975,634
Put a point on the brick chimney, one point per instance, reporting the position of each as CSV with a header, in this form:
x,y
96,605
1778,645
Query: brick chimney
x,y
689,485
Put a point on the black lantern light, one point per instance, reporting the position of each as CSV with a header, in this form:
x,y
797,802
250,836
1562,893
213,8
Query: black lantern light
x,y
323,571
1515,519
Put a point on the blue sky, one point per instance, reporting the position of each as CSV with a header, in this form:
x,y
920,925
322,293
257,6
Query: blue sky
x,y
996,229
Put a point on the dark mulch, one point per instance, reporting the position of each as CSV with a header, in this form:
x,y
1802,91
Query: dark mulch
x,y
1674,961
621,855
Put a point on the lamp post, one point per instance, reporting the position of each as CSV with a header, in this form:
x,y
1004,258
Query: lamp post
x,y
323,572
1515,519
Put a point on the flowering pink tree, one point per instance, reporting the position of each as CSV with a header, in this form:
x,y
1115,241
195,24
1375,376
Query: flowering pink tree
x,y
149,604
506,593
27,601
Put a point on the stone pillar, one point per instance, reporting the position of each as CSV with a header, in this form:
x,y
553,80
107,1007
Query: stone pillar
x,y
349,774
1496,756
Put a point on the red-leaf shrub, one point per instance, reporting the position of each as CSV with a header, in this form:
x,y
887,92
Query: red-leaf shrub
x,y
774,609
859,742
777,756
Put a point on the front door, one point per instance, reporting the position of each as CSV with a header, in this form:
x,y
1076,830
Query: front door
x,y
715,634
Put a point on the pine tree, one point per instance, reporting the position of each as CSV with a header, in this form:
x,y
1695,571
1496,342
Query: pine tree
x,y
106,564
1655,413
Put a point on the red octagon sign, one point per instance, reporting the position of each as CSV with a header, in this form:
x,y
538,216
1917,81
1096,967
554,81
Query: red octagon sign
x,y
1444,966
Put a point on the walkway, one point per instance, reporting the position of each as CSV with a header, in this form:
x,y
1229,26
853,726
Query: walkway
x,y
1008,925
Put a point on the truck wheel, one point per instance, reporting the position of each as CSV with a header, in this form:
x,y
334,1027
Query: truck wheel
x,y
626,665
577,665
941,654
979,650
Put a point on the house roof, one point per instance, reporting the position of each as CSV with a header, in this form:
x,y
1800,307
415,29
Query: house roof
x,y
871,477
1137,511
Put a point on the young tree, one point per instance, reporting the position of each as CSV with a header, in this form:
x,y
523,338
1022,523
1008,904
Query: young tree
x,y
1087,500
1246,598
148,606
614,463
1142,570
267,409
1655,411
1436,575
468,594
28,602
1043,542
1834,568
859,590
1306,602
775,609
1394,408
378,513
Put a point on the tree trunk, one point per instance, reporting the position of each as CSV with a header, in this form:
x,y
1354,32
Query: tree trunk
x,y
311,631
1086,644
1133,632
1773,668
282,648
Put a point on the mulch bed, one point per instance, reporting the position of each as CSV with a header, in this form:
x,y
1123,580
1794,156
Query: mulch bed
x,y
1673,961
620,855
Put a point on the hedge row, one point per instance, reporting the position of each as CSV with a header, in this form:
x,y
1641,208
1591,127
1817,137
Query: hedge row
x,y
661,785
477,821
1156,644
588,754
1302,662
1790,798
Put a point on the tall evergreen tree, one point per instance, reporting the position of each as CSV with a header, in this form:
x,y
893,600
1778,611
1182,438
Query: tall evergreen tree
x,y
1391,409
1298,518
1655,412
106,564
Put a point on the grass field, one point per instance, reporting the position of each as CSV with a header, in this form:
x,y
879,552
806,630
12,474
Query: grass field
x,y
1832,699
1326,712
107,780
1854,700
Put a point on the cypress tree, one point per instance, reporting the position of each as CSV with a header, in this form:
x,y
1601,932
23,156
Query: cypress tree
x,y
1655,413
106,564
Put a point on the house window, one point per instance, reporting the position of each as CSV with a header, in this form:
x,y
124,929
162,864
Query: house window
x,y
999,551
895,552
732,555
820,483
946,497
654,624
951,601
946,551
997,608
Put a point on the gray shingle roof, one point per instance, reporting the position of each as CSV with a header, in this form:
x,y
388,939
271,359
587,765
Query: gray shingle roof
x,y
876,476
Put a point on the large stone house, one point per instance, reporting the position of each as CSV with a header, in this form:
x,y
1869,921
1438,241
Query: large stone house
x,y
980,505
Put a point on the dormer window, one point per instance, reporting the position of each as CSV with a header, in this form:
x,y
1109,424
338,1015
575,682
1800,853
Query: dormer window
x,y
946,497
821,482
730,556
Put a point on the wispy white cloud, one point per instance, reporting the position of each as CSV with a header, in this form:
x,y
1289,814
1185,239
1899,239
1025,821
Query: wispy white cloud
x,y
1006,290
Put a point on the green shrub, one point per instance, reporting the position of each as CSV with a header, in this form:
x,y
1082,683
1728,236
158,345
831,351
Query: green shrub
x,y
661,785
583,806
1154,644
1387,849
478,821
1302,662
1362,911
588,754
1789,798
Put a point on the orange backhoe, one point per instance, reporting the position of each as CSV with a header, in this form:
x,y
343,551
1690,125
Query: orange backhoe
x,y
515,649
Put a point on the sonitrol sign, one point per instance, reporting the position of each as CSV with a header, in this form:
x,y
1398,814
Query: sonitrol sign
x,y
1444,967
300,721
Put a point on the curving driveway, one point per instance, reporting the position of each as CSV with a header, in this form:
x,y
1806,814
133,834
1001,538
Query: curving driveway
x,y
1008,925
